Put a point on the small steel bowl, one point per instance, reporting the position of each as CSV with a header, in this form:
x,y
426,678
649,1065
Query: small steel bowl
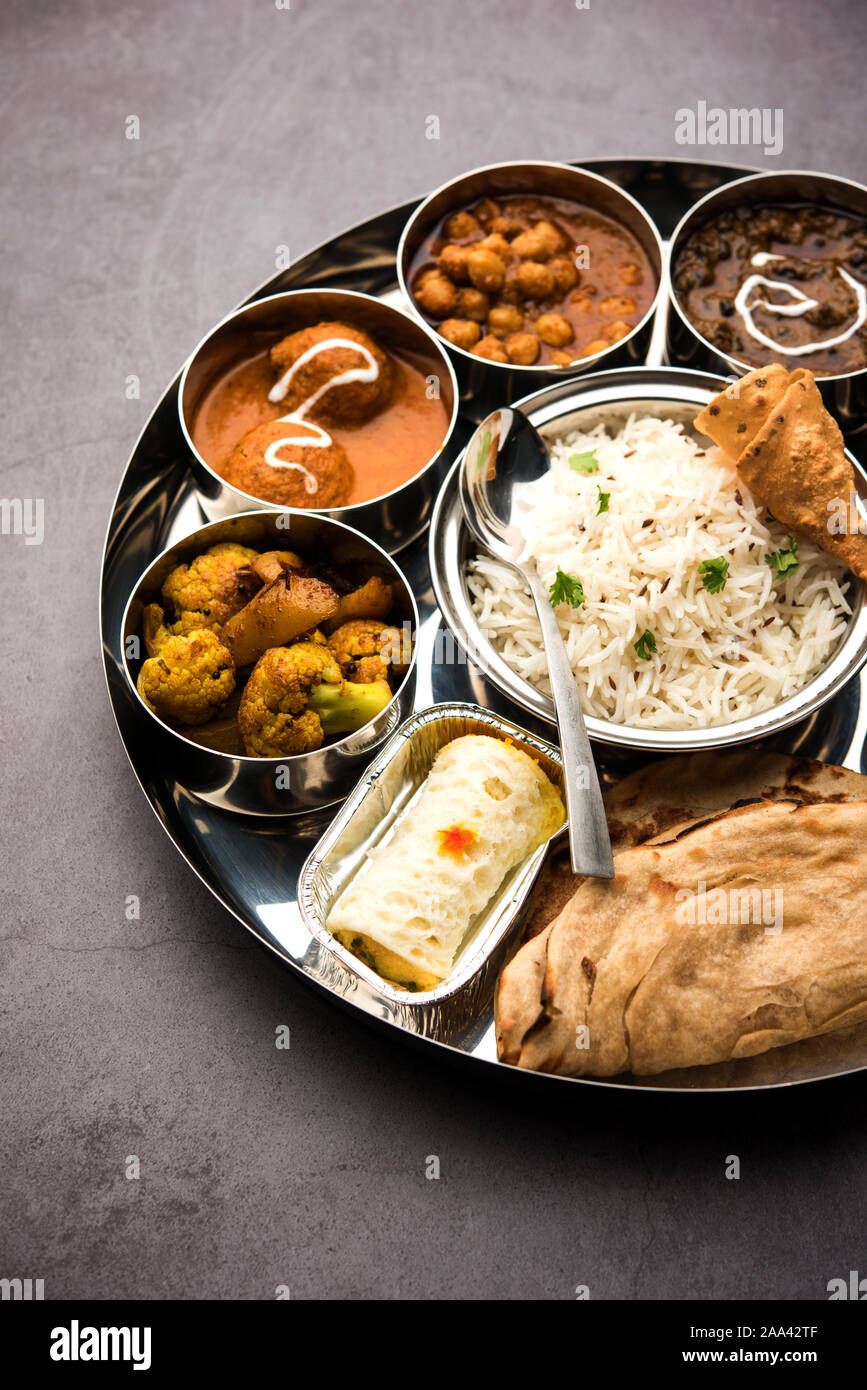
x,y
608,398
255,786
395,519
845,395
485,385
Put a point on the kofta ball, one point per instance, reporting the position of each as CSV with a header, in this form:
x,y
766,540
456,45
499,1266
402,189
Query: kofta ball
x,y
301,475
352,401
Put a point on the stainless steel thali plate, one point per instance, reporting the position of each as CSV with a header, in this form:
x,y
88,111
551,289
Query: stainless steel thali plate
x,y
253,869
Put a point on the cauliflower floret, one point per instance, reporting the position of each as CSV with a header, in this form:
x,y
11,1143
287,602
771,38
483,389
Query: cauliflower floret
x,y
212,588
296,697
366,650
190,678
273,716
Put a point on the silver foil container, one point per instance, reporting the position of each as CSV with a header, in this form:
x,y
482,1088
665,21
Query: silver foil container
x,y
366,820
484,385
273,786
609,398
395,519
845,395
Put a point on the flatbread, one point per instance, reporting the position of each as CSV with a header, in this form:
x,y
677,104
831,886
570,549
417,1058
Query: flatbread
x,y
735,416
643,806
644,975
791,455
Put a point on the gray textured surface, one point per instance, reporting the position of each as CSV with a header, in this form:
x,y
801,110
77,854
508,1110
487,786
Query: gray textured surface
x,y
156,1038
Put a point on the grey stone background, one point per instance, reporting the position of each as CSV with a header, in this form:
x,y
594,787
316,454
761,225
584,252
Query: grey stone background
x,y
261,126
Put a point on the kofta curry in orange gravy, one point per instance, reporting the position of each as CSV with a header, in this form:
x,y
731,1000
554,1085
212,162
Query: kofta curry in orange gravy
x,y
532,280
325,418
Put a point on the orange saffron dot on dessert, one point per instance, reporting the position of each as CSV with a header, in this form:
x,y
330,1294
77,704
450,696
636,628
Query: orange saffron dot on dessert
x,y
457,839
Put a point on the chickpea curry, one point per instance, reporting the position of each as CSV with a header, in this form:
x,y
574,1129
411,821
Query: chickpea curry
x,y
324,418
532,280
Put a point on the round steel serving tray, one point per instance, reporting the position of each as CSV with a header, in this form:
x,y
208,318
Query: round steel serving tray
x,y
251,868
607,398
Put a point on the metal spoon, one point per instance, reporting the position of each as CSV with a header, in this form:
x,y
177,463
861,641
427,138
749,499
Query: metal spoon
x,y
505,452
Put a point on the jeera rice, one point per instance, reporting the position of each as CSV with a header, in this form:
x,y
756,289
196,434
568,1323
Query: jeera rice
x,y
686,605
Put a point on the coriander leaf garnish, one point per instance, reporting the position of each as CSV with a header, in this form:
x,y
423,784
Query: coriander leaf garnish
x,y
646,645
785,560
714,574
566,589
584,463
604,499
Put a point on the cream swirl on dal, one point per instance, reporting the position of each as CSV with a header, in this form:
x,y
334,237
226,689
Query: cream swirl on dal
x,y
802,305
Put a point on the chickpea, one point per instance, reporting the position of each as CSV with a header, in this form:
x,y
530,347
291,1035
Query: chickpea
x,y
617,304
464,333
437,295
615,331
459,226
580,302
530,246
551,237
523,348
506,226
534,280
564,272
511,291
491,349
554,329
505,318
496,243
487,270
558,358
472,304
453,263
487,210
631,274
597,345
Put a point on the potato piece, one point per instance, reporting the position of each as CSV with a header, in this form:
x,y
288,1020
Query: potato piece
x,y
272,563
152,620
372,600
288,606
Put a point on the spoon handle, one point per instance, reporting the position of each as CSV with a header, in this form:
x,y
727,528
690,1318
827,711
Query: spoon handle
x,y
589,840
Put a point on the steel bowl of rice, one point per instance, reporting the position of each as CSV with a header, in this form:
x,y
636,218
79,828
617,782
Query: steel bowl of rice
x,y
692,618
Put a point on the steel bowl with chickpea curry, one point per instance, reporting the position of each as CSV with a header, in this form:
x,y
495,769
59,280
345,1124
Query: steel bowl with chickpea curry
x,y
532,280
